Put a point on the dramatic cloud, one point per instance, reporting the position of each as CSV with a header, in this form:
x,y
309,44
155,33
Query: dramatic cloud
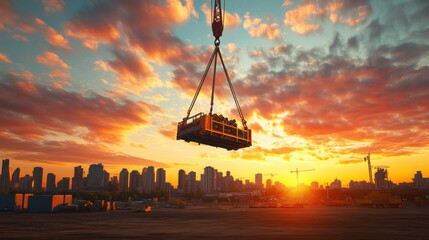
x,y
53,5
382,99
134,73
4,58
52,60
303,19
349,12
231,20
103,21
298,18
256,28
30,110
52,36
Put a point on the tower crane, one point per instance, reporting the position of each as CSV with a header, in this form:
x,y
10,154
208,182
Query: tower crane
x,y
298,171
212,129
368,159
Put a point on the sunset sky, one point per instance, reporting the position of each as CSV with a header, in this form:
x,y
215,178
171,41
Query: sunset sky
x,y
321,83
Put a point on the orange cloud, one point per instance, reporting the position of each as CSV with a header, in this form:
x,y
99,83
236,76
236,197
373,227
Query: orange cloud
x,y
298,18
53,5
52,60
352,13
344,102
47,111
347,12
59,74
134,73
231,20
102,22
4,58
52,36
256,28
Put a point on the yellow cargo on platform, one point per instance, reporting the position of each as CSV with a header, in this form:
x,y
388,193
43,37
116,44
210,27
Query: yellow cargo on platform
x,y
205,129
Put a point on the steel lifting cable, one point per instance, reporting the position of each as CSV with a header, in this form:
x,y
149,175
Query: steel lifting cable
x,y
216,52
201,84
233,93
214,80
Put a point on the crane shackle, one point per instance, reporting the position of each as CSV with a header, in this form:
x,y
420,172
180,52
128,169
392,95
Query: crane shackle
x,y
217,23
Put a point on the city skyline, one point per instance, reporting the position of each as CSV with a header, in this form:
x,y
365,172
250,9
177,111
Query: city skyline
x,y
185,181
320,83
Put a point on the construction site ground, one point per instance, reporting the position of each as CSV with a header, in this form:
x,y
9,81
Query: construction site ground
x,y
223,222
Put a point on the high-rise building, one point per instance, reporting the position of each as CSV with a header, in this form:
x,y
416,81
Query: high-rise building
x,y
50,183
381,181
114,184
77,180
182,186
220,184
336,184
160,179
192,182
148,179
258,181
15,178
135,181
123,180
268,184
38,179
26,183
419,181
63,184
229,182
208,180
5,175
96,176
106,176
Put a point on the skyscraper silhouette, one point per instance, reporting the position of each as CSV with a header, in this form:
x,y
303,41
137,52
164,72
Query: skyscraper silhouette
x,y
77,180
148,179
160,179
123,180
181,186
135,181
258,181
192,181
5,175
38,179
96,176
208,180
15,178
50,183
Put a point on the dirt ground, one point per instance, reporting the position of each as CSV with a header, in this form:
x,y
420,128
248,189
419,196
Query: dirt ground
x,y
223,222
